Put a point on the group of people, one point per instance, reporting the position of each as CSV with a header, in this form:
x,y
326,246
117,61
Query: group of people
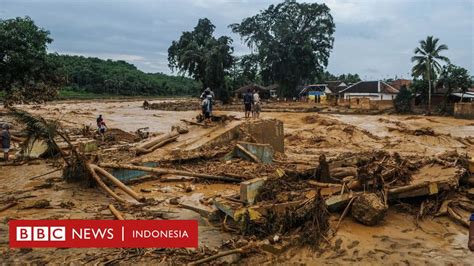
x,y
252,104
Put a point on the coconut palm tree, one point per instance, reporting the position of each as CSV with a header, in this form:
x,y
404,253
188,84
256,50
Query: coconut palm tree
x,y
426,59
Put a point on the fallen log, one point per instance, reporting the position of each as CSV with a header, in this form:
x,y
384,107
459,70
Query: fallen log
x,y
343,172
408,188
457,218
103,185
115,212
194,123
170,171
118,183
157,143
321,184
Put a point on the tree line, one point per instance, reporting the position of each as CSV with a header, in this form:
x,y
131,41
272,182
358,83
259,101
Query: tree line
x,y
119,77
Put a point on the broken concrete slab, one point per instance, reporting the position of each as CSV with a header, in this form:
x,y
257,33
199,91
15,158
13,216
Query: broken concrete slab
x,y
249,189
267,131
252,151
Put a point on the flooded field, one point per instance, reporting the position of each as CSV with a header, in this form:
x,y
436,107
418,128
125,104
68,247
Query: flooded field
x,y
402,237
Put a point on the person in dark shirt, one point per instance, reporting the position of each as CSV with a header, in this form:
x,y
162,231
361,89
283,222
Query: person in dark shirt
x,y
5,141
248,100
471,233
99,121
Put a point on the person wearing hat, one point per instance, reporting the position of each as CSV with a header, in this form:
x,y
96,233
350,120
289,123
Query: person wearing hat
x,y
5,141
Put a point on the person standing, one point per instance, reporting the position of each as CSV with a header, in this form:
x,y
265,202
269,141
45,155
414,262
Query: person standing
x,y
206,107
471,233
248,99
99,121
208,93
256,105
6,138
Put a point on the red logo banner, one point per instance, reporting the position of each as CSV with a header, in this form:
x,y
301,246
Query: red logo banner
x,y
103,233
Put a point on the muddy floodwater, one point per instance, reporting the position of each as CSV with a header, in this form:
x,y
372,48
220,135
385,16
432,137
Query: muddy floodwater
x,y
401,238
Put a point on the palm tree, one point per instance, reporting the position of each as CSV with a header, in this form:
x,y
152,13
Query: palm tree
x,y
426,58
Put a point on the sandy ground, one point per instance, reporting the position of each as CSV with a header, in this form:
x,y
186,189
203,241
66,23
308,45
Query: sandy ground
x,y
399,240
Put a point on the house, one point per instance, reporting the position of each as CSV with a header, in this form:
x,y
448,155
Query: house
x,y
374,90
315,92
399,83
320,92
272,89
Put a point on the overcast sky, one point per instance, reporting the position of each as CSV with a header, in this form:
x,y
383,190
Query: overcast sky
x,y
374,38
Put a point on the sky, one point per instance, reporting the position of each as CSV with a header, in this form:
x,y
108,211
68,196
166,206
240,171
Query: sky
x,y
374,38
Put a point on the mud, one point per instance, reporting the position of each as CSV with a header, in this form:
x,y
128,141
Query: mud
x,y
400,237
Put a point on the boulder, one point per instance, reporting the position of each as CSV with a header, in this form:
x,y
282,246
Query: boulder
x,y
369,209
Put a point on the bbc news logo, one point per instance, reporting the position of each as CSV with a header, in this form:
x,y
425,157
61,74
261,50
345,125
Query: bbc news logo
x,y
103,233
40,233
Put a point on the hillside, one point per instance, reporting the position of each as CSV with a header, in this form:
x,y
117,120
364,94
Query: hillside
x,y
94,75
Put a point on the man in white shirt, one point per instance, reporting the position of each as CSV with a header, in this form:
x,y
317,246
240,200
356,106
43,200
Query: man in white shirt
x,y
256,105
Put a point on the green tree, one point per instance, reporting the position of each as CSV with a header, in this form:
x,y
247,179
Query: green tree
x,y
426,59
455,79
292,40
402,101
200,55
26,71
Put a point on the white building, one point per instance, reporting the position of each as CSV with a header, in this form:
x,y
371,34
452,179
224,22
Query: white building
x,y
375,90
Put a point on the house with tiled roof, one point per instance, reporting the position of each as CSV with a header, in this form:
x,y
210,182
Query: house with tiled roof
x,y
374,90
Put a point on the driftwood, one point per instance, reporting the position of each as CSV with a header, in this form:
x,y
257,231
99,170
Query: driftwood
x,y
163,141
102,184
325,185
194,123
408,188
157,142
344,213
343,172
170,171
115,212
457,218
249,154
117,182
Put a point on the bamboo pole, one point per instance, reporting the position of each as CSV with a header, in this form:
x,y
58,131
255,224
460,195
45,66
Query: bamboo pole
x,y
102,184
170,171
115,212
118,183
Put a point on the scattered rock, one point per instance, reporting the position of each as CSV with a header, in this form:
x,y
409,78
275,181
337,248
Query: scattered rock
x,y
369,209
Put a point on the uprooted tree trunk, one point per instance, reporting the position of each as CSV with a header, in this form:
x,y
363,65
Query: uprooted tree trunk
x,y
78,168
170,171
157,142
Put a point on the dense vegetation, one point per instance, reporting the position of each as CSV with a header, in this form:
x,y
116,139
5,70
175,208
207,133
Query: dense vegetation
x,y
27,73
99,76
204,57
292,42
